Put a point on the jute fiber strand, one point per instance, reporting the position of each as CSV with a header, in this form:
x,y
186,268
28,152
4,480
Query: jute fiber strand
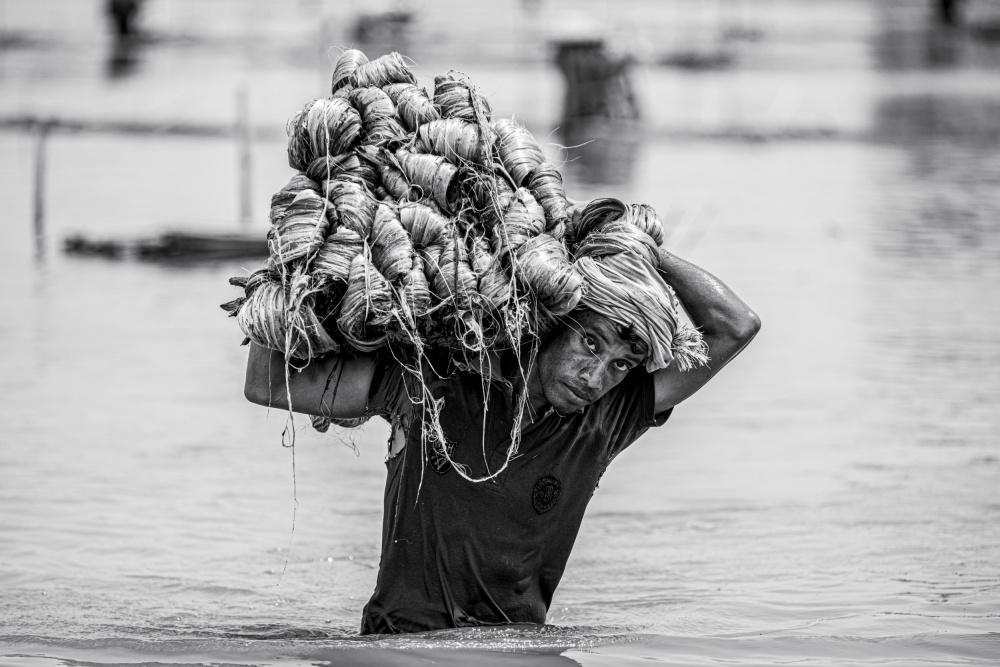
x,y
419,222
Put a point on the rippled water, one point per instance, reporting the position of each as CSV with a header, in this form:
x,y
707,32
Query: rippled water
x,y
831,498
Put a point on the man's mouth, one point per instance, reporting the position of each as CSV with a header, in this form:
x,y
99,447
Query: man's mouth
x,y
580,396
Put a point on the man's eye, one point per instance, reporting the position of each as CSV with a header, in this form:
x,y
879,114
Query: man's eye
x,y
623,366
591,343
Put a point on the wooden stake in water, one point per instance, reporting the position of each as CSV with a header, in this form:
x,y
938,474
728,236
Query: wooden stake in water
x,y
244,140
41,138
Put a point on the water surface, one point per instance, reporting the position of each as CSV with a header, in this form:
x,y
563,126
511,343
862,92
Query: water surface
x,y
831,498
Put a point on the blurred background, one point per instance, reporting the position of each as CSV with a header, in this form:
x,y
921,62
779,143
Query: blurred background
x,y
833,496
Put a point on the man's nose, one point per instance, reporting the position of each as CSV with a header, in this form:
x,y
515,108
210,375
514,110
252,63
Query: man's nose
x,y
593,374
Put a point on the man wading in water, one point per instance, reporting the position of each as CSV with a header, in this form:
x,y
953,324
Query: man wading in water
x,y
457,553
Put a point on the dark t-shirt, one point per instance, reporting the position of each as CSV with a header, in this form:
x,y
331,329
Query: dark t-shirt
x,y
457,553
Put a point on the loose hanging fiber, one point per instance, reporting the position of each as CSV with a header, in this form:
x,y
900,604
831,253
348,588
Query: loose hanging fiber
x,y
418,222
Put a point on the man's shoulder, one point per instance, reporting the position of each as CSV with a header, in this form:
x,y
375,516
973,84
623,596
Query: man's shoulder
x,y
400,378
626,412
632,388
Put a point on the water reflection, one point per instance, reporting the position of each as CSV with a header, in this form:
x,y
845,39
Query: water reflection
x,y
905,44
123,57
936,247
599,127
952,200
600,151
122,17
389,30
969,119
443,656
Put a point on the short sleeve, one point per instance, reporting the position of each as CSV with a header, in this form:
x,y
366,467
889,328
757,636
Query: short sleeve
x,y
387,395
628,411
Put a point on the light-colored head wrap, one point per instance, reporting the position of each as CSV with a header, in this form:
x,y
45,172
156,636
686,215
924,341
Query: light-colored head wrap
x,y
616,255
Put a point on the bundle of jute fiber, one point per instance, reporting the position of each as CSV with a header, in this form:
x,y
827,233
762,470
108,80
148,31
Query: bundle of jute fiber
x,y
419,221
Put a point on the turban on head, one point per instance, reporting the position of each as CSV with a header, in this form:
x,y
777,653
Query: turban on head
x,y
617,260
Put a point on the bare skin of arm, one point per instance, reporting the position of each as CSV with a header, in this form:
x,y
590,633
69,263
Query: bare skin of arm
x,y
331,386
726,323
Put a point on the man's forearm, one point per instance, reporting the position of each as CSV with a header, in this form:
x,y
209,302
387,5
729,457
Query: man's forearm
x,y
330,386
714,308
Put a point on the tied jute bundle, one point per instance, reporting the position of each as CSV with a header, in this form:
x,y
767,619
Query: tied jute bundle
x,y
420,222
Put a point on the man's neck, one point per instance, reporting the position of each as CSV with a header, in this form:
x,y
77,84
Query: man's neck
x,y
528,377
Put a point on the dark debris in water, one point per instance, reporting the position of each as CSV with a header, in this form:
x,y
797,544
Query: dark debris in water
x,y
698,60
79,245
170,246
19,40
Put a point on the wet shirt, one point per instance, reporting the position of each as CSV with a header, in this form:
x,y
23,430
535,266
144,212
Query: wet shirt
x,y
457,553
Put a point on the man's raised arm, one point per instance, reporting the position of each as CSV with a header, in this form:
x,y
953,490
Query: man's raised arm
x,y
726,323
331,386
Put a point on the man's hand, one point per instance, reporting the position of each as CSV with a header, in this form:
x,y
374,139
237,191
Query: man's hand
x,y
726,323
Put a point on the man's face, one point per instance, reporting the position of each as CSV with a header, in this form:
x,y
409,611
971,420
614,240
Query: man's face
x,y
585,361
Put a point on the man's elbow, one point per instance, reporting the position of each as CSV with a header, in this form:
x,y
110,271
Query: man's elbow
x,y
739,330
260,385
258,389
748,327
252,392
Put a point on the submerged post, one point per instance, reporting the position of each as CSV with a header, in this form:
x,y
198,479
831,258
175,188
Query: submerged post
x,y
41,138
599,109
244,141
597,83
947,11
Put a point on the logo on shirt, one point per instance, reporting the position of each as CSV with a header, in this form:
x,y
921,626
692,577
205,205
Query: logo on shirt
x,y
439,462
545,494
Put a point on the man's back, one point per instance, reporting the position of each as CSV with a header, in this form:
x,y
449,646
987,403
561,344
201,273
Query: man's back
x,y
459,553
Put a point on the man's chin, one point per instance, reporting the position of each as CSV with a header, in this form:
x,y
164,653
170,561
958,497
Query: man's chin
x,y
564,401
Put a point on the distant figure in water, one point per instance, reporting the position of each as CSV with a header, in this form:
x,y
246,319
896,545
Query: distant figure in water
x,y
122,14
457,553
947,11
